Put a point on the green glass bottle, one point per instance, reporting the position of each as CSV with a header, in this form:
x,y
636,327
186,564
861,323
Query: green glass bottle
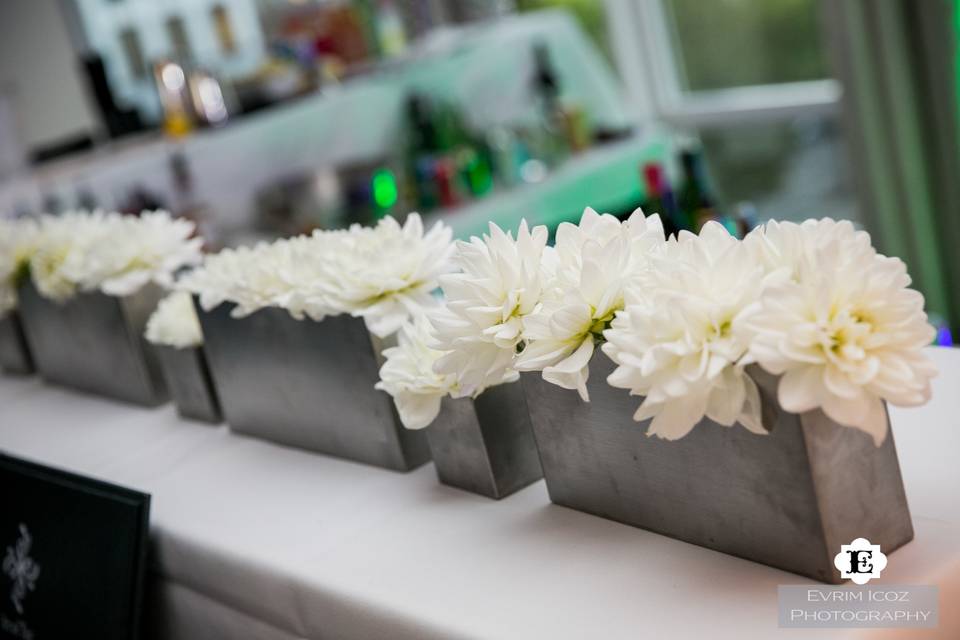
x,y
695,199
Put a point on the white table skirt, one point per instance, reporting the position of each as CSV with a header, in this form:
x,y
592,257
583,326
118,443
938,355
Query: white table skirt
x,y
253,540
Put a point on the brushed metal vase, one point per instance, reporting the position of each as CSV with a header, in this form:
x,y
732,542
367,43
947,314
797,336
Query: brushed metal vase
x,y
94,342
788,499
485,445
188,379
307,384
14,353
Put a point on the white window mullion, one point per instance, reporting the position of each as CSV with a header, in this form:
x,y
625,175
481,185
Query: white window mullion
x,y
647,59
760,103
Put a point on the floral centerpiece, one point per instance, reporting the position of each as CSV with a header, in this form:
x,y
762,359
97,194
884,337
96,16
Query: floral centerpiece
x,y
516,305
382,274
468,343
293,331
682,318
17,238
96,277
116,254
175,332
799,333
813,303
452,367
174,323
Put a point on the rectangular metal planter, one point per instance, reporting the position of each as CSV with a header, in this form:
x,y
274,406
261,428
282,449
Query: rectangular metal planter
x,y
94,342
14,353
188,379
307,384
485,445
788,499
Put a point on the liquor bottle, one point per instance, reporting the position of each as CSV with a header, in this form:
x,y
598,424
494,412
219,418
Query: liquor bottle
x,y
447,163
476,168
508,153
660,199
171,80
747,218
446,177
566,123
545,82
366,17
391,37
185,200
471,153
421,153
695,198
552,145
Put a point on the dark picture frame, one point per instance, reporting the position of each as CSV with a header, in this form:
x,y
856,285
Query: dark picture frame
x,y
73,554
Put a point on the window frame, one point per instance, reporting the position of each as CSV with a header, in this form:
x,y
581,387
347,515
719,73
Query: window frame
x,y
640,33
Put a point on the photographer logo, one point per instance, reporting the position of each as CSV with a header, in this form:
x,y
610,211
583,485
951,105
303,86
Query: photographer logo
x,y
860,561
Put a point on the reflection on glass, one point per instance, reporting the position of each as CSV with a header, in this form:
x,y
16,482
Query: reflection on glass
x,y
734,43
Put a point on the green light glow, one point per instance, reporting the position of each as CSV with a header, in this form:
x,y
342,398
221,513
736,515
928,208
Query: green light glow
x,y
384,188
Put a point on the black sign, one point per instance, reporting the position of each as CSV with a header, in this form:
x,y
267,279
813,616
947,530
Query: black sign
x,y
73,554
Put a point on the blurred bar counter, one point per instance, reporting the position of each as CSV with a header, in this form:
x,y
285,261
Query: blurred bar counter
x,y
293,166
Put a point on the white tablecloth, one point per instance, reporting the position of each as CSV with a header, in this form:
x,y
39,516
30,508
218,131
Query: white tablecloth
x,y
252,540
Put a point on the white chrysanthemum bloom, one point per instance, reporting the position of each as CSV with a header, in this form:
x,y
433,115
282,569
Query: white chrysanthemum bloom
x,y
174,323
150,247
593,261
781,247
384,274
251,278
408,375
840,325
17,242
676,344
480,329
60,259
107,251
299,265
212,281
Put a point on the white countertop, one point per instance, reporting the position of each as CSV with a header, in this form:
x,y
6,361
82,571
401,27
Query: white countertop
x,y
257,540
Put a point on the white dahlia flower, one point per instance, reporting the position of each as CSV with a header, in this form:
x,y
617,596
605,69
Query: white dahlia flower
x,y
249,277
298,274
384,274
781,247
480,328
150,247
593,261
174,322
17,242
676,344
60,259
840,325
408,375
107,251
